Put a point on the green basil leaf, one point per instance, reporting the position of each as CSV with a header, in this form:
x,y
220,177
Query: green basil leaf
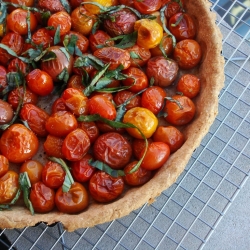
x,y
63,76
113,90
70,43
66,5
28,26
3,10
65,52
46,56
134,55
57,37
127,41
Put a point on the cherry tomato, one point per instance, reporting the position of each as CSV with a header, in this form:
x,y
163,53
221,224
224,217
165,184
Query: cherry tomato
x,y
114,56
95,9
28,3
109,96
170,135
153,99
3,78
52,5
62,20
17,21
139,145
18,143
180,110
4,165
42,198
105,188
187,53
75,145
42,36
75,3
61,123
129,3
137,79
147,6
137,178
16,94
76,82
112,149
73,201
59,105
163,71
150,33
83,70
167,46
172,9
81,170
56,66
120,22
100,37
138,55
156,155
53,146
91,129
33,169
101,105
82,20
75,101
8,187
189,85
105,128
17,64
53,175
143,119
6,112
40,82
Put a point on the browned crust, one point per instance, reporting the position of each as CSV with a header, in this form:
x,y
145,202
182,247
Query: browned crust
x,y
212,78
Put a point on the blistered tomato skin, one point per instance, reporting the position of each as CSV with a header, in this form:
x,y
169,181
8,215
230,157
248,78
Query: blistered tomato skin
x,y
6,112
91,130
18,143
138,55
33,169
53,146
105,188
147,6
100,37
113,149
4,165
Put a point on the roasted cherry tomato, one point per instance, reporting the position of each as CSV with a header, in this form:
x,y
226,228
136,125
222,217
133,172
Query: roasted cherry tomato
x,y
42,36
112,149
34,170
53,146
53,175
129,3
187,53
76,82
6,112
52,5
170,135
17,65
91,129
8,187
139,145
105,188
137,79
18,143
95,9
35,117
166,45
75,145
27,3
4,165
101,105
82,70
138,55
173,8
189,85
156,155
105,128
73,201
3,78
17,21
153,99
114,56
137,178
42,197
143,119
61,123
100,37
163,71
59,105
180,110
147,6
81,170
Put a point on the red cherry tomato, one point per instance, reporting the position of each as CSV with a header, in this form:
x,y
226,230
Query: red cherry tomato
x,y
18,143
112,149
173,8
53,175
91,130
17,64
52,5
81,170
76,82
6,112
105,188
4,165
33,169
147,6
138,55
3,79
73,201
42,36
139,145
53,146
58,105
42,197
35,117
100,37
167,45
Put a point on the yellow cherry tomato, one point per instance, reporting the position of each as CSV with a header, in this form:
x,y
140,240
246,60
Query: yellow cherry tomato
x,y
143,119
150,33
93,9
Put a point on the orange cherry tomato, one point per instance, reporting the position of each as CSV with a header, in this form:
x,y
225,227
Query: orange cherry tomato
x,y
40,82
156,155
139,56
105,188
73,201
147,6
33,169
95,9
139,145
42,197
17,21
137,178
167,45
6,112
53,175
180,110
143,119
35,117
189,85
42,36
61,123
53,146
76,82
91,129
18,143
100,37
8,187
170,135
4,165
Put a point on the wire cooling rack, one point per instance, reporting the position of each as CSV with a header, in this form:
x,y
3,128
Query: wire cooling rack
x,y
186,214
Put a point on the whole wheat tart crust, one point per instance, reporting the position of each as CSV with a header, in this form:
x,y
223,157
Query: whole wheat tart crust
x,y
211,72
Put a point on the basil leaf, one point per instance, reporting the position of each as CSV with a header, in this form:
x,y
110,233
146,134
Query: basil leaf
x,y
65,5
46,56
63,76
127,41
70,43
134,55
3,10
113,90
57,38
28,24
